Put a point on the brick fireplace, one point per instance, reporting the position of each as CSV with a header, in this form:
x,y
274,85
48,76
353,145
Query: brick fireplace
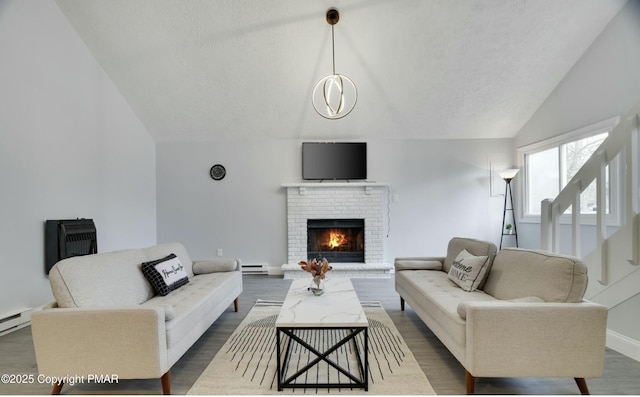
x,y
337,201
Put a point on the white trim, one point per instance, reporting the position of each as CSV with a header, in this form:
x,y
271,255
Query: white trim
x,y
613,219
593,129
623,344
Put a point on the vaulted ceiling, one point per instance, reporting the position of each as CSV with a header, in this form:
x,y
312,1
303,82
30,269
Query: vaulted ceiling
x,y
203,70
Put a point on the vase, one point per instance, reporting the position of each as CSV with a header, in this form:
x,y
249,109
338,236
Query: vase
x,y
317,286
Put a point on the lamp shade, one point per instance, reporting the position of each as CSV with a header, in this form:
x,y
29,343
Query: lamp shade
x,y
508,174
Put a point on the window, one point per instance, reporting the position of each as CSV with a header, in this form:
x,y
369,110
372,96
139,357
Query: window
x,y
550,165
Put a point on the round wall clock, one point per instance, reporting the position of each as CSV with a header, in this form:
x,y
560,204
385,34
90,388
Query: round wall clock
x,y
217,172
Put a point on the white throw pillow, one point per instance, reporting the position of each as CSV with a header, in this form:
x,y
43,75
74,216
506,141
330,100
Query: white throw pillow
x,y
468,271
214,266
165,274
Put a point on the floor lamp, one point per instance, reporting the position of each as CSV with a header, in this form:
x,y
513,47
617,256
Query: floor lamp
x,y
508,175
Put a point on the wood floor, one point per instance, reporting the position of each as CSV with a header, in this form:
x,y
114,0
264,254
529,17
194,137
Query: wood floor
x,y
621,374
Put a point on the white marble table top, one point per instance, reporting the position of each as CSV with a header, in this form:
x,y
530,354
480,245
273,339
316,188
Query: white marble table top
x,y
339,306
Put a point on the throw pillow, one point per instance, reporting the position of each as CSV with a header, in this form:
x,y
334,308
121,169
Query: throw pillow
x,y
468,271
166,274
214,266
416,264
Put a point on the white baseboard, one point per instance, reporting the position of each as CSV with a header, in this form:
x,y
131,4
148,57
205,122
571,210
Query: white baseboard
x,y
254,268
623,345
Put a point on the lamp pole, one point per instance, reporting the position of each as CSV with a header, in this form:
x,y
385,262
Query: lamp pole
x,y
508,176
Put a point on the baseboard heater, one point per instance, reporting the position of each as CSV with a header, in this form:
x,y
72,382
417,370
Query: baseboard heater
x,y
254,268
15,319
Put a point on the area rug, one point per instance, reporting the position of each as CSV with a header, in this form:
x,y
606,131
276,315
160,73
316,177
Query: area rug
x,y
246,363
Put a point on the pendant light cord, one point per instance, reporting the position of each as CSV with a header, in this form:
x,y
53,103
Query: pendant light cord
x,y
333,50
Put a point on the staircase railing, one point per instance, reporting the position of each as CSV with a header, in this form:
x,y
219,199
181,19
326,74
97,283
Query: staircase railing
x,y
623,139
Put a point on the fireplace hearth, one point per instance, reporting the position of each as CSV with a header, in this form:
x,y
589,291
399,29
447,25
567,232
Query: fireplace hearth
x,y
337,240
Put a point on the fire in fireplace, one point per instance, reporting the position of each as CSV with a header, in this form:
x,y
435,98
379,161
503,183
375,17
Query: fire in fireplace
x,y
337,240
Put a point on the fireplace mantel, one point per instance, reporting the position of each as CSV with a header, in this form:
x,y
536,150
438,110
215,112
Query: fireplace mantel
x,y
302,186
332,184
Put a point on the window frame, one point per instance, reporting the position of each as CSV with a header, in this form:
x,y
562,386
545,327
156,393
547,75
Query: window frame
x,y
615,174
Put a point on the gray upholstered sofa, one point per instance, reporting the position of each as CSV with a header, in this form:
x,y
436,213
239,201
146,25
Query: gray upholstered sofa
x,y
108,320
526,318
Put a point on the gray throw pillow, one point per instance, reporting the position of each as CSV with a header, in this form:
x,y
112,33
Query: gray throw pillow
x,y
468,271
416,264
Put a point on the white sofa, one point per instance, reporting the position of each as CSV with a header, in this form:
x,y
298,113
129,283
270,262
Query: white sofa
x,y
527,319
108,320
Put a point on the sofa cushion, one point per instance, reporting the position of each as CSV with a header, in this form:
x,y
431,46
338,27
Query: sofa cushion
x,y
517,273
169,311
475,247
462,306
194,301
107,279
439,296
468,271
165,274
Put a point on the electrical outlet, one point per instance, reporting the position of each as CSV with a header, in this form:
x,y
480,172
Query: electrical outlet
x,y
219,253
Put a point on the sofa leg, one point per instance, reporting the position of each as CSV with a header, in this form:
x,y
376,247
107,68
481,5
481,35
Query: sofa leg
x,y
166,383
402,303
471,382
235,304
582,385
57,388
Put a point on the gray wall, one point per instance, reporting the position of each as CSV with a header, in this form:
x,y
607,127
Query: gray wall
x,y
604,83
442,186
70,147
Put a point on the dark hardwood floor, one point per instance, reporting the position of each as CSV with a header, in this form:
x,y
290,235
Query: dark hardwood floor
x,y
621,374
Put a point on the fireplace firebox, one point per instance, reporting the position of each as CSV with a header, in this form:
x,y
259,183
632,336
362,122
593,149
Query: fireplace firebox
x,y
337,240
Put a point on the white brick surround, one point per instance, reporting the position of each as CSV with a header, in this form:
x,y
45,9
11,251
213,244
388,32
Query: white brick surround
x,y
335,201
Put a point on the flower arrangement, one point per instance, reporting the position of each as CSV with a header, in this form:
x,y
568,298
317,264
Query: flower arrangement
x,y
318,270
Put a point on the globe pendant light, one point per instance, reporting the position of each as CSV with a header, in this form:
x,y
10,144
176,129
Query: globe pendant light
x,y
335,95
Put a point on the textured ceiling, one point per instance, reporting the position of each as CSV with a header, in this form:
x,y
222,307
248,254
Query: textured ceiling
x,y
201,70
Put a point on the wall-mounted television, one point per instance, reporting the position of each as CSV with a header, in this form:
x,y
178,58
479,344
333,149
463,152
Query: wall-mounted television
x,y
334,160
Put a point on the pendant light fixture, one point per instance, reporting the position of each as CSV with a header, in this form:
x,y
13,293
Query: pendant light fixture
x,y
335,95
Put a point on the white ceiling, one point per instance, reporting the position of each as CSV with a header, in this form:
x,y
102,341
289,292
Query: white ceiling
x,y
202,70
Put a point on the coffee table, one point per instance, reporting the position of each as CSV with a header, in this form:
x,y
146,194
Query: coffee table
x,y
322,325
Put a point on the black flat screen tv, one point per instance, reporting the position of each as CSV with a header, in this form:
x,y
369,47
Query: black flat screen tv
x,y
334,160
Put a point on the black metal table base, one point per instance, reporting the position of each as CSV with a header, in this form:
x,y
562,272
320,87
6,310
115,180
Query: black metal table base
x,y
359,380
